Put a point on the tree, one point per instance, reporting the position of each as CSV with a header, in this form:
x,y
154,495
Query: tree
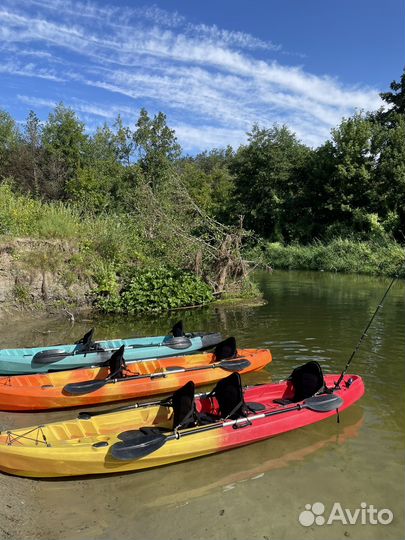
x,y
64,142
123,142
390,175
33,149
157,147
210,182
265,170
396,98
9,139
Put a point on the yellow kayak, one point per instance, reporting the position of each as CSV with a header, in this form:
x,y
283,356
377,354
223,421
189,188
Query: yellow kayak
x,y
158,433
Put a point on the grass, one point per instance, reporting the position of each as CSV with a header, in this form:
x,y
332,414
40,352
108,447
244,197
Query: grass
x,y
379,258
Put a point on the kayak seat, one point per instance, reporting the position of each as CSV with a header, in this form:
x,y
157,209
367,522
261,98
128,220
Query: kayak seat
x,y
178,329
184,409
305,381
117,363
229,395
225,349
86,342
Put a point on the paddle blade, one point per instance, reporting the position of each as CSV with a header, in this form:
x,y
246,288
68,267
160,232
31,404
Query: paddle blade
x,y
48,357
323,403
137,445
234,365
84,387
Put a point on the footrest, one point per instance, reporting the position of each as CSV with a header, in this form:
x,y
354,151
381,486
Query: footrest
x,y
283,401
255,407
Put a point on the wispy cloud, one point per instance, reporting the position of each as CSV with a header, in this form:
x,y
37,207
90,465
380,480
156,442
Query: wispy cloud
x,y
213,83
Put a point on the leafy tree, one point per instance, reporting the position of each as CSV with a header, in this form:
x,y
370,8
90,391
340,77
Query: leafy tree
x,y
210,182
64,142
390,175
264,171
157,147
123,142
9,139
34,154
396,98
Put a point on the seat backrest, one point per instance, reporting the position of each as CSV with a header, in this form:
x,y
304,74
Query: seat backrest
x,y
225,349
178,329
117,363
307,380
229,395
86,342
184,410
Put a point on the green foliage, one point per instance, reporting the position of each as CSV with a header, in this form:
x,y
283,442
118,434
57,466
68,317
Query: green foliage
x,y
157,147
265,171
339,255
209,181
130,207
64,143
21,294
157,289
396,98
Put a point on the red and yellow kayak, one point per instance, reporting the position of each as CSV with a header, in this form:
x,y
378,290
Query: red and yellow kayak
x,y
86,445
45,391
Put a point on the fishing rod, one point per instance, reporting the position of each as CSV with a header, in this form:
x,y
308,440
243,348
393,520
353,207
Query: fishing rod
x,y
337,384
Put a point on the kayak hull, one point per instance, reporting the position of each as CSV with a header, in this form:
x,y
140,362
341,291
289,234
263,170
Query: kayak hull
x,y
83,446
63,357
47,390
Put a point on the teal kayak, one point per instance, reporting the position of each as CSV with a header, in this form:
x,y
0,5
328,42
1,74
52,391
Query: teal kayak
x,y
86,352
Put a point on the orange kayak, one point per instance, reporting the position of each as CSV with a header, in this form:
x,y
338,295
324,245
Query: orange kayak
x,y
82,387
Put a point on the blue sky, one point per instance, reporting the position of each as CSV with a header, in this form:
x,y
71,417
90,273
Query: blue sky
x,y
214,68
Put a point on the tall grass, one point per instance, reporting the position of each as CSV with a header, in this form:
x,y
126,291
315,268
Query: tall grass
x,y
382,258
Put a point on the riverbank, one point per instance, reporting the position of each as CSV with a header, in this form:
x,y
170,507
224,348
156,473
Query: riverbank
x,y
373,258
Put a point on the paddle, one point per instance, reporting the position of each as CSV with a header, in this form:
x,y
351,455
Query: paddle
x,y
145,441
51,356
86,387
48,357
86,415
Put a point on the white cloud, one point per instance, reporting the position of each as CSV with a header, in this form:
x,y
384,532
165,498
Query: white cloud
x,y
204,77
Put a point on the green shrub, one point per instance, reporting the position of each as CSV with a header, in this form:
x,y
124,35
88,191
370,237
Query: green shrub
x,y
158,289
382,258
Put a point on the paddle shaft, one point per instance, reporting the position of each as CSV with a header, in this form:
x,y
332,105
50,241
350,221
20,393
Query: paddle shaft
x,y
85,353
247,421
95,385
164,402
365,331
168,371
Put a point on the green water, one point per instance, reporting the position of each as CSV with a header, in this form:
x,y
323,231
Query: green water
x,y
256,491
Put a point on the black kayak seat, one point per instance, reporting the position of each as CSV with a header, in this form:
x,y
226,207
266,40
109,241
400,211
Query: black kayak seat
x,y
117,363
184,409
229,395
178,329
225,349
306,380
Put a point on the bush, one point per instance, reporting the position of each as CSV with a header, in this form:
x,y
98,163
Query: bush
x,y
158,289
339,255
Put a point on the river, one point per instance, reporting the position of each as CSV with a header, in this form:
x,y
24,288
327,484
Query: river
x,y
258,491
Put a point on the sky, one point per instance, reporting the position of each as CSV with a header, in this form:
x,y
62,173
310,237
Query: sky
x,y
214,68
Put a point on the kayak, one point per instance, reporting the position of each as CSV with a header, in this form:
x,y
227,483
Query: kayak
x,y
89,353
146,435
91,386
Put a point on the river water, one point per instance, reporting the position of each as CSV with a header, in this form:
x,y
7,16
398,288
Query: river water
x,y
260,490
